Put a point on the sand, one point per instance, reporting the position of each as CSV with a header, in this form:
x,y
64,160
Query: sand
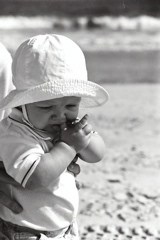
x,y
120,196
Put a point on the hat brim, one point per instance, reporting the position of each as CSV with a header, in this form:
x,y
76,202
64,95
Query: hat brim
x,y
92,94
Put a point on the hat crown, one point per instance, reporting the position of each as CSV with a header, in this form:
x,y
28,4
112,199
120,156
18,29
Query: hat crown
x,y
47,58
51,66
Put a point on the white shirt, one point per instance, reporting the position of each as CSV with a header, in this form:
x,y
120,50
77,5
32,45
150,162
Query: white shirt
x,y
47,209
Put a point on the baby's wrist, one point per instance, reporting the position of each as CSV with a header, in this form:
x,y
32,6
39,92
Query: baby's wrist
x,y
67,147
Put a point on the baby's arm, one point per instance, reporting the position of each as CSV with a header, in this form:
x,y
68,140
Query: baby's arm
x,y
95,150
52,164
33,168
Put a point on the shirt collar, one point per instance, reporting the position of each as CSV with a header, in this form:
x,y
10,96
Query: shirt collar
x,y
16,116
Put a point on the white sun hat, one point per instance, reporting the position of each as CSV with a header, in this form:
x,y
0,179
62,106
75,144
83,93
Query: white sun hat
x,y
51,66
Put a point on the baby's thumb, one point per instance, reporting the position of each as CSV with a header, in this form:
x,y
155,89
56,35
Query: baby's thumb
x,y
81,124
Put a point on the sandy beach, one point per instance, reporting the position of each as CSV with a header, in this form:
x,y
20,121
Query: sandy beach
x,y
120,196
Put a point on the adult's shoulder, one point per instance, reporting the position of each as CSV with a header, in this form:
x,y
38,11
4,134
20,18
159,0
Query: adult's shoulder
x,y
5,57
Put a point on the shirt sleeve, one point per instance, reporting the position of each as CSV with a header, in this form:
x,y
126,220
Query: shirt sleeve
x,y
20,155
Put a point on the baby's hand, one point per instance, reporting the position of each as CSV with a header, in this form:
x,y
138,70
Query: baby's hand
x,y
77,135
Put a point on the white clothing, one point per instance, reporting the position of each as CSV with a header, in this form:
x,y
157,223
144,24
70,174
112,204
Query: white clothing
x,y
47,209
5,76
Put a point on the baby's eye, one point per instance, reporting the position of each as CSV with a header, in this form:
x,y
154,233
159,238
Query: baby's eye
x,y
45,107
71,106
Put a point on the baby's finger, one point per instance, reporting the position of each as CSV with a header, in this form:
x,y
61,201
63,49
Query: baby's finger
x,y
87,129
72,123
81,124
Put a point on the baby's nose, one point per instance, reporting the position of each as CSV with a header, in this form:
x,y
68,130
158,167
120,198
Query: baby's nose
x,y
59,113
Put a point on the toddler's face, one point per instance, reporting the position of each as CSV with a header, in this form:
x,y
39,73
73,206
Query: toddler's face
x,y
50,114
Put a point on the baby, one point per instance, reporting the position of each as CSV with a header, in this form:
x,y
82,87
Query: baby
x,y
43,135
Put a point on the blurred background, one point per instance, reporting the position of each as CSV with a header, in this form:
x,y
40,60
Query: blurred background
x,y
121,33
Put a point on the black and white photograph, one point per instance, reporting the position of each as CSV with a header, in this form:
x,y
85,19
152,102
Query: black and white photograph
x,y
79,119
